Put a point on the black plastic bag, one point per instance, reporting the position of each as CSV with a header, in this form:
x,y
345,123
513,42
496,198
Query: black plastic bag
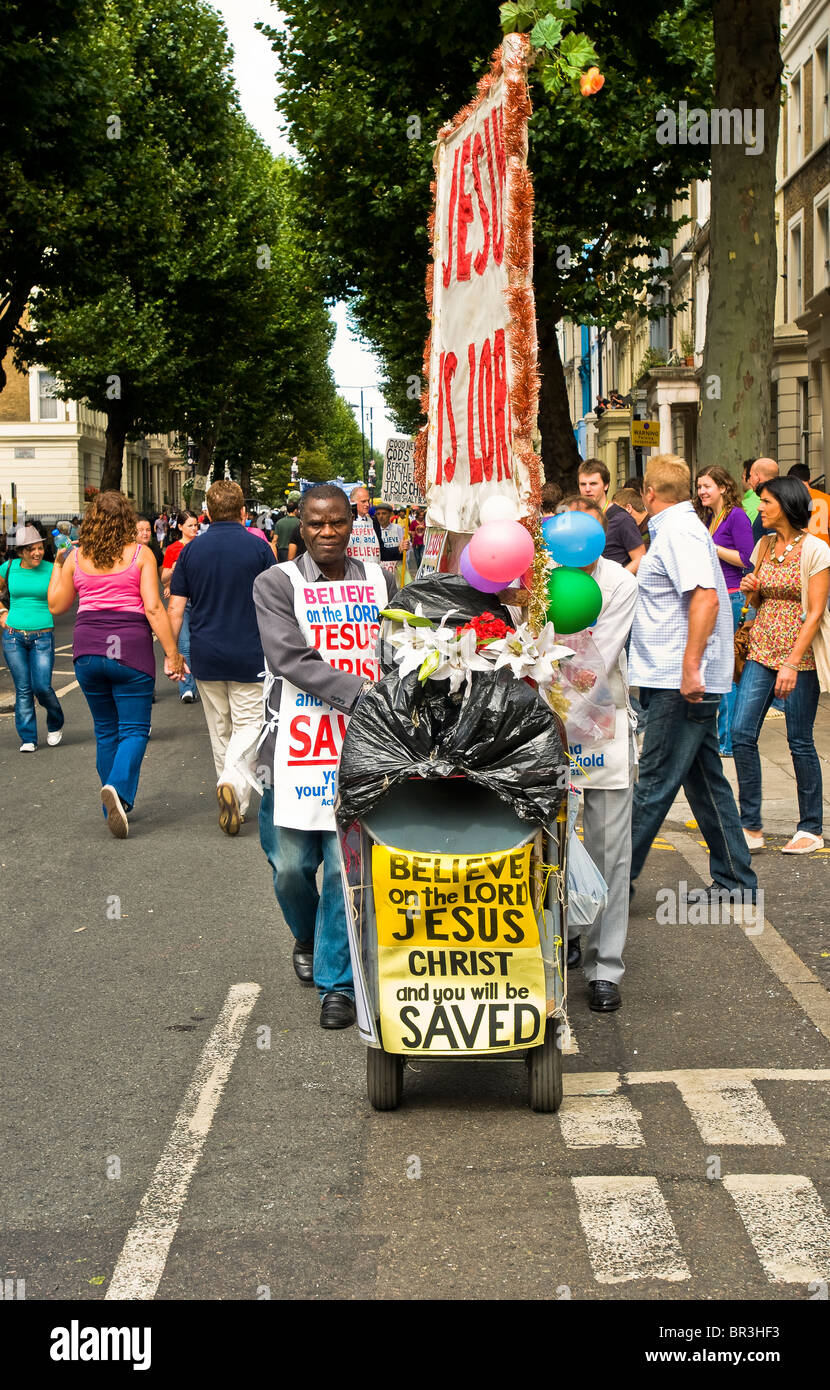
x,y
501,735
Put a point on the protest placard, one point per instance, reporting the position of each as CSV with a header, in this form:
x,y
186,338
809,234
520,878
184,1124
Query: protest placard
x,y
482,352
460,967
434,543
399,485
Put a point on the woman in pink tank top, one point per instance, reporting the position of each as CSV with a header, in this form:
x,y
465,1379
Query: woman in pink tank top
x,y
119,610
118,591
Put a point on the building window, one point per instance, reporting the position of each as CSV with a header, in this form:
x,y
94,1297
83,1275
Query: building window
x,y
47,402
821,242
795,125
821,92
804,421
795,270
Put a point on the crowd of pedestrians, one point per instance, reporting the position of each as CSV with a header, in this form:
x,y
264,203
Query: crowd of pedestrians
x,y
686,563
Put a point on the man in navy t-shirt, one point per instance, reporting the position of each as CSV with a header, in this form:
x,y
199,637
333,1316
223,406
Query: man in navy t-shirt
x,y
216,572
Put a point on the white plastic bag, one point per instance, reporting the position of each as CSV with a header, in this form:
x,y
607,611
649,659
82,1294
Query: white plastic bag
x,y
587,889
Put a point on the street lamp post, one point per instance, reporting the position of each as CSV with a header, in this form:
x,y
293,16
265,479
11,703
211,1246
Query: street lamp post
x,y
354,406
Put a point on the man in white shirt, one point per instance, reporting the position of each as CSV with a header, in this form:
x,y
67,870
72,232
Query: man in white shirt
x,y
682,658
608,790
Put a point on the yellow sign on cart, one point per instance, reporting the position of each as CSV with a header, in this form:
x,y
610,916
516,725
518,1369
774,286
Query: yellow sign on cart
x,y
460,967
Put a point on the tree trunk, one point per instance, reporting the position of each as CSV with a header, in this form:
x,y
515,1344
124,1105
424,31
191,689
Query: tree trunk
x,y
560,456
735,389
204,462
116,435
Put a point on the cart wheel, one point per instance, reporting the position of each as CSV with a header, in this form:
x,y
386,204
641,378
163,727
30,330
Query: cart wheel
x,y
544,1065
384,1078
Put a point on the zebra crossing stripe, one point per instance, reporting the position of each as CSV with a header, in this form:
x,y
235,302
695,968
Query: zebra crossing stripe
x,y
786,1222
594,1113
727,1110
628,1230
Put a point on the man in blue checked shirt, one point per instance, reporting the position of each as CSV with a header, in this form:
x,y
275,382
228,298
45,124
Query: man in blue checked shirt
x,y
682,657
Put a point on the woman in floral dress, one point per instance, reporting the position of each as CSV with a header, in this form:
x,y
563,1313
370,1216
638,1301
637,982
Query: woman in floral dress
x,y
789,656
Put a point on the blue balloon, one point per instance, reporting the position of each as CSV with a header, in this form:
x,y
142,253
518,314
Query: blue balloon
x,y
574,538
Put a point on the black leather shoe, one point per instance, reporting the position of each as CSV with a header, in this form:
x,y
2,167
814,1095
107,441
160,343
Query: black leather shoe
x,y
303,961
574,953
338,1011
603,996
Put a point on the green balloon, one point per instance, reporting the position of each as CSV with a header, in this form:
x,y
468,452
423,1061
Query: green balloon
x,y
574,599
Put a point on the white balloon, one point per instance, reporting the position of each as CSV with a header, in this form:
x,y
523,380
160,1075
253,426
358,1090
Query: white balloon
x,y
498,509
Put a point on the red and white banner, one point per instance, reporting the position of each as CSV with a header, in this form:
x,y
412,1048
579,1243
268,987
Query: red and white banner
x,y
481,355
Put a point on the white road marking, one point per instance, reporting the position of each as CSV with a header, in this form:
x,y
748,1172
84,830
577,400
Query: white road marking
x,y
140,1265
723,1102
786,1222
594,1114
727,1110
805,987
628,1230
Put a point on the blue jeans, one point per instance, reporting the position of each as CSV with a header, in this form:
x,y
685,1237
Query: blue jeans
x,y
30,657
120,701
754,699
727,702
188,684
681,749
295,856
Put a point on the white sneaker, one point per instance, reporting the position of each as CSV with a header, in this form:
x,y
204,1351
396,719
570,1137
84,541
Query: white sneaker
x,y
117,822
28,747
54,739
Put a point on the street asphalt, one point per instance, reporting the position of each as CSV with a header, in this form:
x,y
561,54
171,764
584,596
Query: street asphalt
x,y
117,959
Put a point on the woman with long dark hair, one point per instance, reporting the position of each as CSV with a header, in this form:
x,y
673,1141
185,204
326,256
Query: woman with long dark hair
x,y
120,608
718,504
789,656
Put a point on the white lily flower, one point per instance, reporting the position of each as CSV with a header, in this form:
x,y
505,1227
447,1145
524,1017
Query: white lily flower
x,y
454,657
550,653
412,643
529,655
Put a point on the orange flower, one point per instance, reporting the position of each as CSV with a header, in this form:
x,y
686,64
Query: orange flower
x,y
591,81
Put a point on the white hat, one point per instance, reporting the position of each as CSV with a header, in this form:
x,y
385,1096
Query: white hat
x,y
27,535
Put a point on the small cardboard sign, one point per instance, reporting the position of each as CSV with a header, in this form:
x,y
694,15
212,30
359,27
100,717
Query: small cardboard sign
x,y
399,473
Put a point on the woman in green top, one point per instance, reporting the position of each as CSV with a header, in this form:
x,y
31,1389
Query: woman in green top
x,y
29,640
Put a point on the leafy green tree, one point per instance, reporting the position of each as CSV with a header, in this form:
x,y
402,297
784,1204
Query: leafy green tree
x,y
252,327
335,451
102,317
365,88
52,100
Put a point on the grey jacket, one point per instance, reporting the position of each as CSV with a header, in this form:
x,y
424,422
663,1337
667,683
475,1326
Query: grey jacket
x,y
286,651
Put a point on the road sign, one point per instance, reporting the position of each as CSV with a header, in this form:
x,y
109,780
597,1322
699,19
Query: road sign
x,y
645,434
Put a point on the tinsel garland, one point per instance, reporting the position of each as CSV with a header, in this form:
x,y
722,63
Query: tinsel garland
x,y
537,611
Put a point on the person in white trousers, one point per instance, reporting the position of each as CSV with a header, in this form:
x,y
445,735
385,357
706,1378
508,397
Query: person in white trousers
x,y
609,790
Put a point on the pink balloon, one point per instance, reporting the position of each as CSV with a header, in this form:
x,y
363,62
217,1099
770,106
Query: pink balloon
x,y
477,581
501,549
